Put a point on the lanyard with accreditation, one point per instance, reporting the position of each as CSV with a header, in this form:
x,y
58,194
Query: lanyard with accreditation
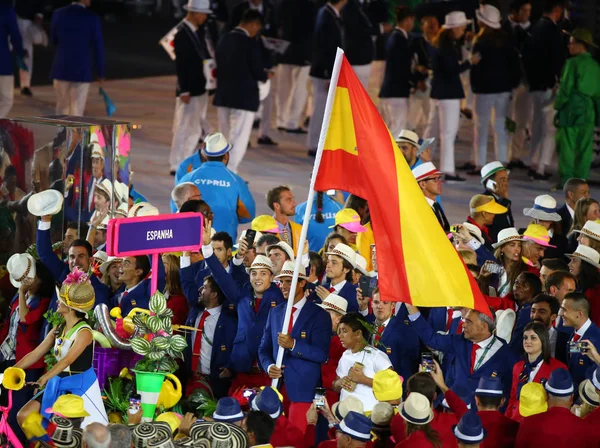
x,y
487,349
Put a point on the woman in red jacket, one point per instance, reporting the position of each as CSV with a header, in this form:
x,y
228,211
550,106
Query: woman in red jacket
x,y
176,300
537,365
584,265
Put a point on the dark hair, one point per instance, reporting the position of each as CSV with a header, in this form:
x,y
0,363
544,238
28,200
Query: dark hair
x,y
533,281
331,236
430,434
80,227
142,262
557,278
403,12
357,323
444,39
487,401
491,37
251,16
572,184
516,5
83,243
317,262
319,215
219,158
346,265
260,423
588,276
550,300
46,280
356,203
10,170
216,288
192,206
423,383
268,238
225,238
549,5
542,333
580,301
555,264
274,195
515,270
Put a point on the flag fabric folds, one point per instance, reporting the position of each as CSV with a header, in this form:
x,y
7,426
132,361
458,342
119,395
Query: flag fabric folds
x,y
417,263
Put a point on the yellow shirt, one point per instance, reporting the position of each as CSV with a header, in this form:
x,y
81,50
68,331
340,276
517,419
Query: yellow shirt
x,y
363,244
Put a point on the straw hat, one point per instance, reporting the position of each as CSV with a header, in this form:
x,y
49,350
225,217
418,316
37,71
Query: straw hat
x,y
408,137
489,15
64,435
588,393
387,385
349,219
544,209
349,404
183,442
106,187
122,211
142,434
335,303
424,171
284,247
216,144
538,234
416,409
587,254
262,262
108,263
265,224
455,19
344,251
532,400
506,236
202,6
220,434
77,292
505,322
596,378
20,267
47,202
591,229
161,441
171,418
382,415
142,209
474,231
288,270
361,264
490,169
122,192
101,256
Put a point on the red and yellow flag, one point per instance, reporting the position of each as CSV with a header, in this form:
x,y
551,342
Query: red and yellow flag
x,y
417,263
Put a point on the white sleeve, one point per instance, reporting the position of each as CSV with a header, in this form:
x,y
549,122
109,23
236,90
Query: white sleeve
x,y
184,261
341,370
207,251
382,362
44,225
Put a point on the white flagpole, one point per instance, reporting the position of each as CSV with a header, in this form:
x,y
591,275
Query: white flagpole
x,y
337,65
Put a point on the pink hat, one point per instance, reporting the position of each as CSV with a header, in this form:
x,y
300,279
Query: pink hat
x,y
538,234
349,219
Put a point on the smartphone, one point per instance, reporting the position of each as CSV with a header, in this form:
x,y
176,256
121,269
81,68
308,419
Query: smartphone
x,y
491,185
493,268
367,285
577,347
427,364
319,397
250,235
134,403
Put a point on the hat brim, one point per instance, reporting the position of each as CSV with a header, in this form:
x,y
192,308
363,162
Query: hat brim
x,y
329,308
48,202
338,427
586,233
52,411
587,42
494,25
538,241
218,153
30,275
353,263
541,215
456,25
300,276
507,240
406,140
406,416
192,9
354,227
494,171
584,259
468,439
493,207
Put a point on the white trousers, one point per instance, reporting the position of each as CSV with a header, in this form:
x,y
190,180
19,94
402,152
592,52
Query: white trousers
x,y
395,114
543,131
266,109
25,76
291,95
419,105
443,121
187,128
320,87
485,103
236,126
71,97
363,73
521,114
7,92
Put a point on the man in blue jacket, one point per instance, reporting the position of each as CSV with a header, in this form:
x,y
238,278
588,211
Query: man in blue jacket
x,y
575,312
9,31
76,33
253,305
477,351
240,67
306,346
227,193
208,352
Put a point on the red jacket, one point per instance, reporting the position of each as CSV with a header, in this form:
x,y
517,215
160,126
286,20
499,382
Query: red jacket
x,y
179,305
286,434
328,369
416,440
593,295
555,428
512,410
593,421
442,423
501,430
28,334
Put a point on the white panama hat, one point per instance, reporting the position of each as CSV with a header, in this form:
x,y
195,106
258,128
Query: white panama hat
x,y
47,202
20,267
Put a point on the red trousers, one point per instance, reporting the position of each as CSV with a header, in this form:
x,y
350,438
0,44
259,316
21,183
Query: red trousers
x,y
249,381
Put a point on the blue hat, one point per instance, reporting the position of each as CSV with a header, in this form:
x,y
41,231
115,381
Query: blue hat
x,y
356,425
560,383
424,143
596,378
469,429
268,401
489,386
228,411
464,393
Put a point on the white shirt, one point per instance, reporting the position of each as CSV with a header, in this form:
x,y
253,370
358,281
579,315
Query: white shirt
x,y
583,329
430,201
374,360
208,335
127,291
497,345
338,287
553,336
571,211
402,31
91,192
384,325
535,371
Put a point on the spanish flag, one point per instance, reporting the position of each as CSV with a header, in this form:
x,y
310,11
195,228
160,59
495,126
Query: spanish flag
x,y
417,263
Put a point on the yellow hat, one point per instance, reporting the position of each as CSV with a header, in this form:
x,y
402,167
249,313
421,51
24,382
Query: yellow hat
x,y
173,419
14,378
68,406
532,400
484,203
387,385
349,219
538,234
265,224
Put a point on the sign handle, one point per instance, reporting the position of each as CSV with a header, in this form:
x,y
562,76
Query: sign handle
x,y
154,277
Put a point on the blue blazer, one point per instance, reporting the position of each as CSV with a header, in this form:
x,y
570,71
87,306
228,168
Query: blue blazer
x,y
580,365
400,342
189,277
398,77
348,292
523,318
140,296
251,326
76,33
221,347
327,37
500,365
9,31
60,270
312,333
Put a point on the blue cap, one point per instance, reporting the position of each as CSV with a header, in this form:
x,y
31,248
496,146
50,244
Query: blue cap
x,y
268,401
489,386
469,429
356,425
560,383
228,411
